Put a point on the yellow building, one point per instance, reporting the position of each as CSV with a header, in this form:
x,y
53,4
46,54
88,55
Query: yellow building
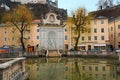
x,y
98,36
103,33
11,36
67,35
114,33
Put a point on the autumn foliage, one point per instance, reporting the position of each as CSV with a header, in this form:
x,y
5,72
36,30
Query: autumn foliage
x,y
21,17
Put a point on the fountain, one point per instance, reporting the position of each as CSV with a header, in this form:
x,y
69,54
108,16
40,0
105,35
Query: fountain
x,y
52,35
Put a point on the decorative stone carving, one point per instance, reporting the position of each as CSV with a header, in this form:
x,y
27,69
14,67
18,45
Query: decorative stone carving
x,y
51,18
52,38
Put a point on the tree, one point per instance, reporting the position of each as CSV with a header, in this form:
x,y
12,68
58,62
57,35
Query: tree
x,y
20,17
118,2
80,20
103,4
1,13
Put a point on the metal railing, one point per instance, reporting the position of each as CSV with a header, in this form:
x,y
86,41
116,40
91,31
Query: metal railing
x,y
19,53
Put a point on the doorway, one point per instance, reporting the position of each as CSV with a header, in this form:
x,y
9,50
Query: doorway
x,y
89,47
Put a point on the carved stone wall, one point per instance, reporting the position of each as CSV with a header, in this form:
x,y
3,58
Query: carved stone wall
x,y
52,38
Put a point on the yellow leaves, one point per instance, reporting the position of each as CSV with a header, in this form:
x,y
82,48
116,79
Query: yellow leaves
x,y
20,17
19,14
81,20
22,13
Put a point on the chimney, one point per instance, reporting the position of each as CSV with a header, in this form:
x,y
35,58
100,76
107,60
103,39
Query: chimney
x,y
56,1
100,7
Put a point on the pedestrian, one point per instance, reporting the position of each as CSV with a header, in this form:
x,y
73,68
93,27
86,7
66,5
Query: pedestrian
x,y
37,49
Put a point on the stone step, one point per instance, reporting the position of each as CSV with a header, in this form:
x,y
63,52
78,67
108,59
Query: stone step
x,y
53,53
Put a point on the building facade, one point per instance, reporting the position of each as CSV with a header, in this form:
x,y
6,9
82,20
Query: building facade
x,y
37,1
96,38
30,1
114,33
11,36
50,20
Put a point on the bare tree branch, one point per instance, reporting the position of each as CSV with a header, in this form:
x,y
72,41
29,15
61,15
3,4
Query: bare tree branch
x,y
80,20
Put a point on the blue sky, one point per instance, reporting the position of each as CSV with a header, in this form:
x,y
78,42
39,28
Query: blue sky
x,y
71,5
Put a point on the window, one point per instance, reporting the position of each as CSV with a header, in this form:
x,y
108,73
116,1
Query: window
x,y
66,68
111,28
102,21
83,67
38,37
38,30
28,37
104,76
102,29
118,26
83,75
96,68
102,38
118,34
65,37
83,38
103,47
90,68
95,37
96,75
89,38
103,68
95,30
95,21
5,39
90,75
12,38
5,32
65,29
111,35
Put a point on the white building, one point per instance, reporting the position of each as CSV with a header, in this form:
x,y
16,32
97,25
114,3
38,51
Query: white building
x,y
30,1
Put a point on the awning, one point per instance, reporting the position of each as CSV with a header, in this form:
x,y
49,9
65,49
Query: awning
x,y
99,44
81,45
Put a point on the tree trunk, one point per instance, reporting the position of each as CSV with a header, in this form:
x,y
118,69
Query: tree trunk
x,y
77,73
76,43
22,42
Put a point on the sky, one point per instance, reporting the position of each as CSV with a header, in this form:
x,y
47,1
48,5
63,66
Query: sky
x,y
71,5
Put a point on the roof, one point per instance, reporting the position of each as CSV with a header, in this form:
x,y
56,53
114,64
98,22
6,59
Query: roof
x,y
101,17
38,9
113,19
111,12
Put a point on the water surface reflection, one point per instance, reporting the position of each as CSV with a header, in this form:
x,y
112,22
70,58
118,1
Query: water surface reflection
x,y
72,69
